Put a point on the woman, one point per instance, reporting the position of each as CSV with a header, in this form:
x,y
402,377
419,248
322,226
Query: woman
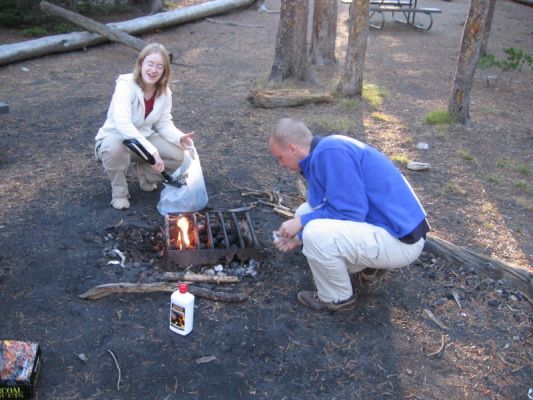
x,y
141,109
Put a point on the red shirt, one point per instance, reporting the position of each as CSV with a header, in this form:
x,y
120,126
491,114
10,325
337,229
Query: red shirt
x,y
148,106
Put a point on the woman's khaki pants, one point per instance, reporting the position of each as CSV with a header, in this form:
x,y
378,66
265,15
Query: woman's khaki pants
x,y
336,248
116,159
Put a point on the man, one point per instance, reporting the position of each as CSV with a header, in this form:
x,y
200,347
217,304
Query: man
x,y
360,212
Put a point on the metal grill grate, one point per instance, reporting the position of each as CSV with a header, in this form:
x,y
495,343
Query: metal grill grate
x,y
214,237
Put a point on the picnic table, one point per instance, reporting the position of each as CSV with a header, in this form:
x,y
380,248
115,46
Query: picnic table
x,y
403,11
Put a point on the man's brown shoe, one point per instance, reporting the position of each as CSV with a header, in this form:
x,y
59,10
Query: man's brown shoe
x,y
311,300
371,275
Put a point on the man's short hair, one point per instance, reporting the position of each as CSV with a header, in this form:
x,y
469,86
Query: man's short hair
x,y
288,130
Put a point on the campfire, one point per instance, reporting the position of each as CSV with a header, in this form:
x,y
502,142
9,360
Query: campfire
x,y
209,238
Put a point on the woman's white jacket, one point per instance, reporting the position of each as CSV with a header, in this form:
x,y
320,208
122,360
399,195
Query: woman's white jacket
x,y
125,117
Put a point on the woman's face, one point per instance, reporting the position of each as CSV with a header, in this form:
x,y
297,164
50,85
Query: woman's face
x,y
152,68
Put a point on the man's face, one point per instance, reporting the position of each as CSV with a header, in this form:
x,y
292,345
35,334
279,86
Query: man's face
x,y
287,156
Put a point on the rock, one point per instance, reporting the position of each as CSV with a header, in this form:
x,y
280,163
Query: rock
x,y
418,166
493,303
422,146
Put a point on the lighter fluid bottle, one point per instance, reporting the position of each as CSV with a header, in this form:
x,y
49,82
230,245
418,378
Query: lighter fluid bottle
x,y
181,310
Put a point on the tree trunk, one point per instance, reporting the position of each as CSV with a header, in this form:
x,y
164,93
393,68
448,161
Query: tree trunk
x,y
290,58
287,98
497,269
459,105
486,32
351,83
324,32
109,32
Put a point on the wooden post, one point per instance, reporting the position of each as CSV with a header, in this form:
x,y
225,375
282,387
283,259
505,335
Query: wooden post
x,y
471,43
324,32
351,82
290,56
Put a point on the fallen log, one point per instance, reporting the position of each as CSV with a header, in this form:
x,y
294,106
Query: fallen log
x,y
192,277
115,288
497,269
109,32
273,98
10,53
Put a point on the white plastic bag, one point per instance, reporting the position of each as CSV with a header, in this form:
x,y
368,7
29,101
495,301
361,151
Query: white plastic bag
x,y
190,197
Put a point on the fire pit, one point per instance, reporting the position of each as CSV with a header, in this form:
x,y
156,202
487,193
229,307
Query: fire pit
x,y
210,238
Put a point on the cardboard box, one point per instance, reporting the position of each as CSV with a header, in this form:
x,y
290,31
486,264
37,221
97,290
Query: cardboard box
x,y
19,365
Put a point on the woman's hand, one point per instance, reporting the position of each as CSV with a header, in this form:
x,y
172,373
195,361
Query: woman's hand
x,y
159,165
186,140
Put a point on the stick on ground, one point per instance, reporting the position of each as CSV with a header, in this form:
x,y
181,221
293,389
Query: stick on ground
x,y
114,288
118,368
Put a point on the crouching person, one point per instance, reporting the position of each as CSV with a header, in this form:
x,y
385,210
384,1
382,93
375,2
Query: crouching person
x,y
360,215
141,109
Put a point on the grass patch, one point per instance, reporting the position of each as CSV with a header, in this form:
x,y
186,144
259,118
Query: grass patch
x,y
502,163
522,185
493,111
488,208
333,123
455,187
494,178
523,169
465,155
524,203
379,116
373,94
349,103
439,117
260,82
35,31
400,159
441,131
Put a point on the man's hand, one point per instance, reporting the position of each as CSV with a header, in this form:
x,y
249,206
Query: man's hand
x,y
290,228
159,165
285,244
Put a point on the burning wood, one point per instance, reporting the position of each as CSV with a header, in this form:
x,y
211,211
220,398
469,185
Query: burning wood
x,y
208,238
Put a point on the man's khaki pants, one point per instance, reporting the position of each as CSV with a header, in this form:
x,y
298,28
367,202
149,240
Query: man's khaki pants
x,y
116,159
336,248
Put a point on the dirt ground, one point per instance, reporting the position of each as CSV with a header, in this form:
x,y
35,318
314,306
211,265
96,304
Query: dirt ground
x,y
56,225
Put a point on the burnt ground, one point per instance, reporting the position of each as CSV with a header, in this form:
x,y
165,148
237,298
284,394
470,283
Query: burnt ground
x,y
56,226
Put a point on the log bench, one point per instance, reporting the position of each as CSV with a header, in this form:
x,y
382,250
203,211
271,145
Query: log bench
x,y
408,9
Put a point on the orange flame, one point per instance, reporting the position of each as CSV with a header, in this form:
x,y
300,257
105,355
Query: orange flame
x,y
183,236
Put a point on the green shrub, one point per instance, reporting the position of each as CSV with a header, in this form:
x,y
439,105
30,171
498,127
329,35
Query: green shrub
x,y
401,159
516,59
465,155
26,16
373,94
439,117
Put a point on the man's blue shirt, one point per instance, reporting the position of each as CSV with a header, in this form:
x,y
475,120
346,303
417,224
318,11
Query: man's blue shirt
x,y
350,180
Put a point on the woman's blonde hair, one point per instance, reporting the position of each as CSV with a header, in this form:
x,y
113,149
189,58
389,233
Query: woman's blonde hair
x,y
162,84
